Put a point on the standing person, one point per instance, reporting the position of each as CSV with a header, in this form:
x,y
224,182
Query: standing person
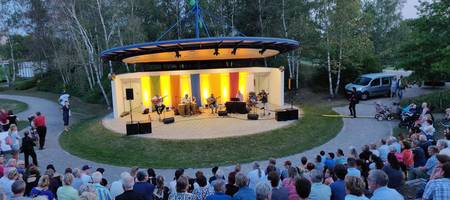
x,y
393,87
41,128
12,118
13,139
142,186
263,95
401,85
4,122
66,115
28,149
353,100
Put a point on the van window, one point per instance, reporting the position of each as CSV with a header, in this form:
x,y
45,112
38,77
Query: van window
x,y
375,82
362,81
386,81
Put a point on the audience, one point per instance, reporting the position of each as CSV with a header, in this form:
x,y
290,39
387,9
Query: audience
x,y
338,187
278,193
378,181
244,192
230,187
219,192
128,184
319,190
289,183
67,192
142,186
303,188
181,190
354,187
439,189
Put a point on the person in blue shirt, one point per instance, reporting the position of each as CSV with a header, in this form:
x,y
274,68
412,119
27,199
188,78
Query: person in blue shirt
x,y
219,191
377,181
330,162
352,169
244,192
338,187
142,186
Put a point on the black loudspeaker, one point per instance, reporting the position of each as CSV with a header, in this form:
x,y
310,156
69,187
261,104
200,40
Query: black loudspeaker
x,y
168,120
252,116
222,113
132,128
286,114
129,94
145,127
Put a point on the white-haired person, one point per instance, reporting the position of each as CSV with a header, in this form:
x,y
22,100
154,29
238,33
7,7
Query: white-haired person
x,y
128,184
67,192
354,187
263,191
101,191
117,186
7,180
42,188
318,189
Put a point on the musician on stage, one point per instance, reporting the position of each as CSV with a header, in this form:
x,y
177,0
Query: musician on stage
x,y
189,103
252,100
263,97
239,96
212,103
159,105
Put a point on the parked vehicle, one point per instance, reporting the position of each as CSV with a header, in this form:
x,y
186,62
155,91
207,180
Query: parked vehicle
x,y
371,85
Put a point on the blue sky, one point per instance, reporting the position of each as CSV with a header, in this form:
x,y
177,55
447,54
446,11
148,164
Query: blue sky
x,y
409,11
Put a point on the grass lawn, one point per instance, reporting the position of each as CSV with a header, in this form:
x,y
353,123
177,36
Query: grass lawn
x,y
21,124
15,106
90,140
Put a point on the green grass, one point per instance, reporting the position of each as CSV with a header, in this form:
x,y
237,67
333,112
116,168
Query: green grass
x,y
21,124
90,140
15,106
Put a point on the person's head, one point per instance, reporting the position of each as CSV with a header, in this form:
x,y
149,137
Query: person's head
x,y
406,144
303,187
310,166
214,170
331,155
232,178
159,181
424,105
86,169
318,159
68,179
322,153
304,160
151,172
263,191
69,170
127,182
292,172
219,174
38,113
219,185
237,168
432,150
383,141
182,184
287,164
351,162
354,185
270,168
376,179
186,95
241,180
97,177
101,170
12,128
340,171
142,176
18,188
446,169
202,182
340,152
316,176
12,173
442,158
179,172
76,173
44,181
274,178
441,144
393,161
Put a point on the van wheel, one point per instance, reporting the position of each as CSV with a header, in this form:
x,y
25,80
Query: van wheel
x,y
365,96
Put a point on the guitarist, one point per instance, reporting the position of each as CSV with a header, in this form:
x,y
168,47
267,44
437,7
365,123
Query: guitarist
x,y
263,97
212,103
159,105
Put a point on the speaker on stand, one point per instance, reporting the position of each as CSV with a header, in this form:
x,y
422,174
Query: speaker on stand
x,y
130,96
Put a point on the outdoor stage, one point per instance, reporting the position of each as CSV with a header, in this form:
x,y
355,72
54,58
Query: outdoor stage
x,y
201,126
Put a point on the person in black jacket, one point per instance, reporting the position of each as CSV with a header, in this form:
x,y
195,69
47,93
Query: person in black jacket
x,y
28,149
129,193
353,100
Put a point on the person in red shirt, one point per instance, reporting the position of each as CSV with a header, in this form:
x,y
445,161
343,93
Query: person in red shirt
x,y
4,122
408,156
41,128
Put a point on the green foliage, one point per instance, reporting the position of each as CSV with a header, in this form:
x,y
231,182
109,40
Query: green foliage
x,y
15,106
25,84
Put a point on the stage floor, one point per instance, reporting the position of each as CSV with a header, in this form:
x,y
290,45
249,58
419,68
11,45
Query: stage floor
x,y
202,126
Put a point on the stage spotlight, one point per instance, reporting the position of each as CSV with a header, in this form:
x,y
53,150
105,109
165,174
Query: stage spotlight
x,y
234,51
262,51
216,51
177,54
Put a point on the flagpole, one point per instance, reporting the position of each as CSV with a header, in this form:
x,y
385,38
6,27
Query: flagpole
x,y
197,15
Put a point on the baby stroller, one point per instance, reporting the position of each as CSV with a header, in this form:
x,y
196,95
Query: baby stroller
x,y
383,112
32,130
409,116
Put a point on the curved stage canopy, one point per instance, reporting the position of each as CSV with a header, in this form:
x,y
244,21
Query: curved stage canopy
x,y
201,49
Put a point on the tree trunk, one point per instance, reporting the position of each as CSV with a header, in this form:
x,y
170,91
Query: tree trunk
x,y
338,79
13,61
121,44
6,73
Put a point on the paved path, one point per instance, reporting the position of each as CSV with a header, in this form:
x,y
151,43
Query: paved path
x,y
355,132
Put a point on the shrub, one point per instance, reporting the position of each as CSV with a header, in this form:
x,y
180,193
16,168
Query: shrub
x,y
25,84
438,101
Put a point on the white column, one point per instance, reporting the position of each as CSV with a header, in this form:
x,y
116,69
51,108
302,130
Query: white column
x,y
276,90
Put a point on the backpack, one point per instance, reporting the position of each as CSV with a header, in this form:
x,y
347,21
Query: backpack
x,y
9,140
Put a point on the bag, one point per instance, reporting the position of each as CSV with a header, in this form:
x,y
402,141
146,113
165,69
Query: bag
x,y
9,140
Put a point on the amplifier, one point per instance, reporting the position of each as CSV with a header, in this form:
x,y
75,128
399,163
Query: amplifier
x,y
168,120
252,116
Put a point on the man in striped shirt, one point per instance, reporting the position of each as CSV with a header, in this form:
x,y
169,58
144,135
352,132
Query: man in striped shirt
x,y
102,192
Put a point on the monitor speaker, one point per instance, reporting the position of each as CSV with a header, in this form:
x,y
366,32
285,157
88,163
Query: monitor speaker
x,y
129,94
145,127
251,116
132,128
168,120
222,113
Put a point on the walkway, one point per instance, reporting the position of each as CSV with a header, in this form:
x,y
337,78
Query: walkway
x,y
355,132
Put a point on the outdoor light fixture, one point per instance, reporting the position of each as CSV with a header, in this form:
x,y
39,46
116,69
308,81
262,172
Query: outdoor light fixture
x,y
262,51
177,54
216,51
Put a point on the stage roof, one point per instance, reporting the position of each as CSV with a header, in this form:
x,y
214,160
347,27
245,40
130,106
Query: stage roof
x,y
200,49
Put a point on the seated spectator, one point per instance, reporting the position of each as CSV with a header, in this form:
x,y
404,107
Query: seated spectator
x,y
116,187
67,192
255,176
303,166
219,191
18,190
161,192
244,193
392,141
338,187
424,144
129,193
352,170
394,172
142,186
151,176
31,179
287,165
407,154
425,171
181,190
303,188
318,189
278,193
263,191
273,164
383,150
318,163
101,191
428,129
213,177
374,150
378,181
439,189
419,155
230,187
173,184
203,190
353,152
77,182
438,172
104,182
329,161
7,180
340,157
443,147
328,177
42,188
289,183
355,188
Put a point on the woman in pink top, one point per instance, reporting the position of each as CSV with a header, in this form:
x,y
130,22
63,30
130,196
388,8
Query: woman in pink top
x,y
289,184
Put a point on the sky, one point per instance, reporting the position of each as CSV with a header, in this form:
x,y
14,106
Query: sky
x,y
409,11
